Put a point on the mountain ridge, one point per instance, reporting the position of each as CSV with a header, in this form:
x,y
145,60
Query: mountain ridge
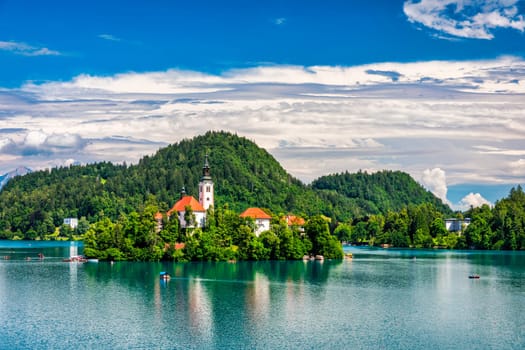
x,y
19,171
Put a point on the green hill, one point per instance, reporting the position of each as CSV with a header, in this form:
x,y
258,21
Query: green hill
x,y
245,175
378,192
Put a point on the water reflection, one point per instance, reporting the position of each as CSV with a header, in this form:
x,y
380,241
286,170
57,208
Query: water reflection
x,y
257,298
210,301
379,300
73,273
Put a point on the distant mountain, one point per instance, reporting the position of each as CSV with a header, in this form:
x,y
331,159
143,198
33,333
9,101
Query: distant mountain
x,y
245,175
17,172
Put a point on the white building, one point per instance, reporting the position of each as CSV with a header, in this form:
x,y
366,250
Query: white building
x,y
206,187
262,220
71,222
197,209
456,225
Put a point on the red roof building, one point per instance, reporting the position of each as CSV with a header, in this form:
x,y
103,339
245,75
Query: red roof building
x,y
262,220
198,207
255,213
180,210
292,220
184,202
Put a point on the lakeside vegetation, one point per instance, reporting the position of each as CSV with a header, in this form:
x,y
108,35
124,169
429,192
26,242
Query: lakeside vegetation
x,y
226,237
116,205
500,227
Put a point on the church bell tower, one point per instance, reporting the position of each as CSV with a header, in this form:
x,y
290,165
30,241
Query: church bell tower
x,y
206,186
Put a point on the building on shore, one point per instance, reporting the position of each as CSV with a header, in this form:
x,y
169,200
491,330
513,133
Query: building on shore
x,y
456,225
71,222
295,221
198,218
261,219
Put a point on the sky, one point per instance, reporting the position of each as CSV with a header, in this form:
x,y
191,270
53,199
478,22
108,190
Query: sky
x,y
435,88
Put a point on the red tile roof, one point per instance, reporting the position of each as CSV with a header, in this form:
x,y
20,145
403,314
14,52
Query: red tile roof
x,y
292,220
178,246
158,216
255,213
184,202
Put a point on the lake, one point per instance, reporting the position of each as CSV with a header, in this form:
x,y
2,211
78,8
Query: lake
x,y
382,299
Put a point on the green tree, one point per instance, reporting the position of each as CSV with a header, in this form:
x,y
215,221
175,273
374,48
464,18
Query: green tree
x,y
479,234
323,243
189,218
271,246
343,232
83,225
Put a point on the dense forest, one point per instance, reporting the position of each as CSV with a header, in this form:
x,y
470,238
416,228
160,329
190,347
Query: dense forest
x,y
34,206
379,192
422,226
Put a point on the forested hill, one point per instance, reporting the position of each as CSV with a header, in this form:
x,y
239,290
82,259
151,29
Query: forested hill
x,y
244,175
382,191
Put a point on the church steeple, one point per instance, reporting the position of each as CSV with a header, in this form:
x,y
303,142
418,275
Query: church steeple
x,y
206,170
206,186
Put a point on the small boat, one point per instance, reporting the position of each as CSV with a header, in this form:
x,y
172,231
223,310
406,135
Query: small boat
x,y
164,276
75,258
474,276
92,260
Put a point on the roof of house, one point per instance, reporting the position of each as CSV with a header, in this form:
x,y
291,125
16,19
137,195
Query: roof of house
x,y
184,202
158,216
255,213
178,246
292,220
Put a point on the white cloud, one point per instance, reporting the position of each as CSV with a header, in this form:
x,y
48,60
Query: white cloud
x,y
518,167
109,37
435,181
473,19
5,143
64,141
279,21
471,200
19,48
35,139
463,117
495,150
169,82
503,75
38,142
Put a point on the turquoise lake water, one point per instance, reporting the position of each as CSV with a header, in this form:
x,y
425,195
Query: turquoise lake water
x,y
382,299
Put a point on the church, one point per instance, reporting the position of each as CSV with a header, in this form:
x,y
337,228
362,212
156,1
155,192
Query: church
x,y
206,200
198,207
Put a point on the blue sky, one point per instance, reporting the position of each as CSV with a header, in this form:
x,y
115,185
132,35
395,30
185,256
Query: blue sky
x,y
432,87
107,37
